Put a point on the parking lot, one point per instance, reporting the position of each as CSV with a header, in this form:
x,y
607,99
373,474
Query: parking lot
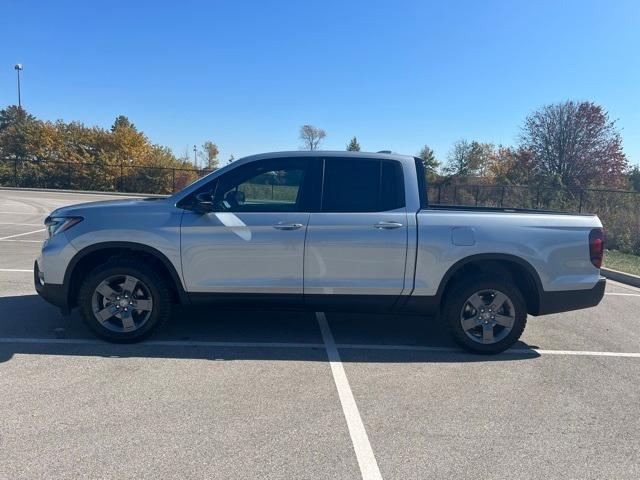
x,y
256,394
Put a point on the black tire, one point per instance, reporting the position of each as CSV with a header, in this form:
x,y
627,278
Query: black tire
x,y
457,299
157,289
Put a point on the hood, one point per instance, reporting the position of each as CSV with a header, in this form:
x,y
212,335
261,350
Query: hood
x,y
81,209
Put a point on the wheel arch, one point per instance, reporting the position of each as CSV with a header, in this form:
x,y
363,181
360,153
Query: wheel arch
x,y
91,256
521,272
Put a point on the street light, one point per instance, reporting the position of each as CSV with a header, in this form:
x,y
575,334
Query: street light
x,y
19,68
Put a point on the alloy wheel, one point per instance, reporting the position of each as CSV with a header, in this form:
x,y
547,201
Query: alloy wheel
x,y
122,303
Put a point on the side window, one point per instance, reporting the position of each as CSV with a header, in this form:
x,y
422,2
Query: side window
x,y
362,185
263,186
392,184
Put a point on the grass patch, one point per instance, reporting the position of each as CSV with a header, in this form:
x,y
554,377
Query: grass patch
x,y
623,262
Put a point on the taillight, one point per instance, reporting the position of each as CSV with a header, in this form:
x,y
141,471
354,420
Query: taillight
x,y
596,246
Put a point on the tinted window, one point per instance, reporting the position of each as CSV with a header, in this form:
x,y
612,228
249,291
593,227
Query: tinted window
x,y
361,185
263,186
392,184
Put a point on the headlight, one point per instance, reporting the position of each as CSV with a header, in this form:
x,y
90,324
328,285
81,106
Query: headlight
x,y
60,224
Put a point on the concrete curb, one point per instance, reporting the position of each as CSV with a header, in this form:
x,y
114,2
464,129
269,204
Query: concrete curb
x,y
88,192
621,277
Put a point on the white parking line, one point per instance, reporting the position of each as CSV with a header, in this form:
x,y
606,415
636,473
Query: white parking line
x,y
624,294
519,351
23,234
578,352
22,241
25,213
364,453
16,270
22,224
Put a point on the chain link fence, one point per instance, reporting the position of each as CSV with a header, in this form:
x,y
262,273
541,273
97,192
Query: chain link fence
x,y
100,177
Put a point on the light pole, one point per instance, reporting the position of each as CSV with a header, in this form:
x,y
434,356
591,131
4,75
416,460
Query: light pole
x,y
18,69
195,156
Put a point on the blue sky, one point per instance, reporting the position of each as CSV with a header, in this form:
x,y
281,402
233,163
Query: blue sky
x,y
397,75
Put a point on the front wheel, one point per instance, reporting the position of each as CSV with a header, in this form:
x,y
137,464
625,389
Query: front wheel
x,y
485,315
124,300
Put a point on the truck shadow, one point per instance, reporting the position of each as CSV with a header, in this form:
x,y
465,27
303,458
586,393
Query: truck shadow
x,y
215,334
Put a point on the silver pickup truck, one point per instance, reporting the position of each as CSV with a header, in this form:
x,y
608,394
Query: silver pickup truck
x,y
320,231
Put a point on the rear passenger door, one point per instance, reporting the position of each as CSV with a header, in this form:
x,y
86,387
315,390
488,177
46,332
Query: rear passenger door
x,y
356,244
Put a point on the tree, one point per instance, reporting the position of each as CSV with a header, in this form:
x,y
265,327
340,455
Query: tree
x,y
574,144
462,160
428,157
14,115
311,137
122,121
469,159
210,153
509,166
634,178
353,145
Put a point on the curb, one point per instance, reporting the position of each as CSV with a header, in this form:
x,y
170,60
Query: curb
x,y
621,277
89,192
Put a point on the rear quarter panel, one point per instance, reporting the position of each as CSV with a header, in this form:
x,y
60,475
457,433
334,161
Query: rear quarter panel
x,y
555,245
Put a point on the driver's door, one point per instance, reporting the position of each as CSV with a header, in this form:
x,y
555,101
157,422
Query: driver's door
x,y
252,243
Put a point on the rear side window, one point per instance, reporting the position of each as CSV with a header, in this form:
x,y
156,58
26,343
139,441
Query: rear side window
x,y
392,186
361,185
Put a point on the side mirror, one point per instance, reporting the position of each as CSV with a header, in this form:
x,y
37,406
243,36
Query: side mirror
x,y
204,202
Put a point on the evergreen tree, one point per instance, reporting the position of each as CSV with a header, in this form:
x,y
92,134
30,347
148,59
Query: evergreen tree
x,y
122,121
353,145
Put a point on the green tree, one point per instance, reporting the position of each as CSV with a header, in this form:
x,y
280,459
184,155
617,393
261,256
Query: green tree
x,y
634,178
469,159
122,121
353,145
13,116
431,164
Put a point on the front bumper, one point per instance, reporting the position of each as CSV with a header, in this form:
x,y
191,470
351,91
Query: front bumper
x,y
51,292
564,301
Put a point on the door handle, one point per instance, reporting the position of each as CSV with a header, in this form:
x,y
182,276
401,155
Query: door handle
x,y
387,225
288,226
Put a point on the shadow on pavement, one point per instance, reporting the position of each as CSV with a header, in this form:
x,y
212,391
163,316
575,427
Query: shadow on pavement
x,y
30,317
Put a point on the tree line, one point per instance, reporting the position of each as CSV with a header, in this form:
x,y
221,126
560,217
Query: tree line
x,y
566,145
561,148
569,144
62,154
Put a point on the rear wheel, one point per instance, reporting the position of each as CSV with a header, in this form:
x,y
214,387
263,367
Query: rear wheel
x,y
485,315
124,300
